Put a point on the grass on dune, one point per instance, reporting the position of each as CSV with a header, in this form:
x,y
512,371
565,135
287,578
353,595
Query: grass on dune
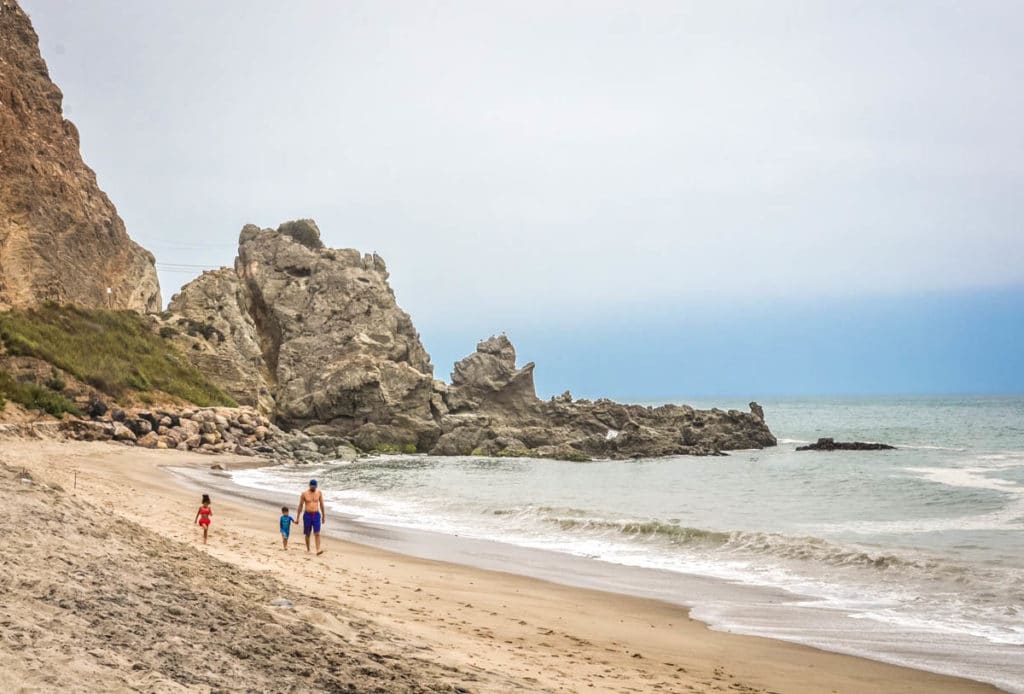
x,y
115,352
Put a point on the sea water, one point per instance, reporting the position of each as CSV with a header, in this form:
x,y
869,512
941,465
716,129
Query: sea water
x,y
914,555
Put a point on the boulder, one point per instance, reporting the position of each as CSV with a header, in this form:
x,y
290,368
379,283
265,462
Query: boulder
x,y
150,440
96,408
122,433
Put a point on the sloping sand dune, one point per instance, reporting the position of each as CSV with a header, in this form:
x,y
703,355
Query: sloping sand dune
x,y
92,602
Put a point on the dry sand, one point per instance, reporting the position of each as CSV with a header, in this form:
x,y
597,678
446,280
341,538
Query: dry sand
x,y
106,587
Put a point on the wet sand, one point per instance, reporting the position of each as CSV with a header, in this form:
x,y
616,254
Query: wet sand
x,y
359,615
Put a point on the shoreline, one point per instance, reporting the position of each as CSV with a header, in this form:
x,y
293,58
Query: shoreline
x,y
542,634
723,605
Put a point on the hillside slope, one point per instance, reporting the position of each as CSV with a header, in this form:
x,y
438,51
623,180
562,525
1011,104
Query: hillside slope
x,y
58,358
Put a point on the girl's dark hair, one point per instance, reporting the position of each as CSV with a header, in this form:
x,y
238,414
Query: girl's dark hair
x,y
206,498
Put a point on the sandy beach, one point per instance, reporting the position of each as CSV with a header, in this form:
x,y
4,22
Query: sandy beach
x,y
108,588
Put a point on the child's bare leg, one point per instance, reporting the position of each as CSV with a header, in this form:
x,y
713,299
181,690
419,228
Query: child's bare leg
x,y
206,529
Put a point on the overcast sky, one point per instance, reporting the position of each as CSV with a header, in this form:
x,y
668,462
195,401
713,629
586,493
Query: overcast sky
x,y
533,165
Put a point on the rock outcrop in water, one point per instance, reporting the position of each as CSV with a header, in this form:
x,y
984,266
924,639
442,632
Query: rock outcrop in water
x,y
313,336
494,410
60,237
833,445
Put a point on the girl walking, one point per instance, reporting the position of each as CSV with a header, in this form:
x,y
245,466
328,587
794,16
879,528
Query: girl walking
x,y
203,516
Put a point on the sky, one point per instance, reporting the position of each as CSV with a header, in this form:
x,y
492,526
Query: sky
x,y
652,199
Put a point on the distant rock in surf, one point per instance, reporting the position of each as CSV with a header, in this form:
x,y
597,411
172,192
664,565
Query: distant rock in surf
x,y
833,445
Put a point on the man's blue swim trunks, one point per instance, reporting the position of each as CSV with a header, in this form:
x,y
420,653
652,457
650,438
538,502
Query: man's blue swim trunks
x,y
310,522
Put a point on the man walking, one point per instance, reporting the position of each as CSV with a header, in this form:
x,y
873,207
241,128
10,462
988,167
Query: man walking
x,y
311,506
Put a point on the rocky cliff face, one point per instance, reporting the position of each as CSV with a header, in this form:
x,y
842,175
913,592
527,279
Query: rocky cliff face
x,y
314,337
60,237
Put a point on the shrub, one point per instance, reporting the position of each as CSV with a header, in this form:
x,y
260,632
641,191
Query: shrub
x,y
56,383
167,332
35,397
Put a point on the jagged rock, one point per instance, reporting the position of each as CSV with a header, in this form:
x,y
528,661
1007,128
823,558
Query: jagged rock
x,y
317,331
757,411
494,410
60,237
211,324
488,380
150,440
828,444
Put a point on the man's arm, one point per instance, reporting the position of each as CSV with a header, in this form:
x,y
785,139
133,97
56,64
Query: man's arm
x,y
323,509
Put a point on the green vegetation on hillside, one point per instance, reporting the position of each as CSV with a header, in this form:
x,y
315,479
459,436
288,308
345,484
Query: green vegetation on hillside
x,y
34,397
115,352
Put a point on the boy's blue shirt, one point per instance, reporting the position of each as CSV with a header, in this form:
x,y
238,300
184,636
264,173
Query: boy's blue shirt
x,y
286,523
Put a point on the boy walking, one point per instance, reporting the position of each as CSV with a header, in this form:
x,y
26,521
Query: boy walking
x,y
286,526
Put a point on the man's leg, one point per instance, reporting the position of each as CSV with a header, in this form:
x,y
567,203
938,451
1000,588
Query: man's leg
x,y
317,536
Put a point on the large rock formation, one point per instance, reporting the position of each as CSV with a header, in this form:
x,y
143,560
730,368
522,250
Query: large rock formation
x,y
494,410
60,237
314,337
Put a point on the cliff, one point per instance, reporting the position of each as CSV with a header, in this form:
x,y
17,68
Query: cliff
x,y
60,236
314,337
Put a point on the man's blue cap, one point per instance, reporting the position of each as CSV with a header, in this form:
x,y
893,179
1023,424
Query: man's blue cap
x,y
312,483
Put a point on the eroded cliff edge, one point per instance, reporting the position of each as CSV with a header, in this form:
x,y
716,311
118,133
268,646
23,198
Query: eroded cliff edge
x,y
313,336
60,237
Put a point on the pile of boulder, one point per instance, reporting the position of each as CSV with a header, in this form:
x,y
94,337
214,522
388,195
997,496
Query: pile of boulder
x,y
241,431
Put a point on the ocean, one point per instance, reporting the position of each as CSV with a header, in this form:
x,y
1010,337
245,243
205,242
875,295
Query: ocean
x,y
913,556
